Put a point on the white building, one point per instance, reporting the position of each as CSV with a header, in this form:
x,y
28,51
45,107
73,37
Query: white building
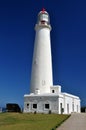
x,y
44,97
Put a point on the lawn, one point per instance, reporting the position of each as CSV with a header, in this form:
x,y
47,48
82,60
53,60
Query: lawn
x,y
21,121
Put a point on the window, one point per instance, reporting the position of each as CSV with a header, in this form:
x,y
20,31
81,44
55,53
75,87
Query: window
x,y
53,91
47,106
35,106
61,108
43,82
27,105
42,22
73,107
67,108
77,108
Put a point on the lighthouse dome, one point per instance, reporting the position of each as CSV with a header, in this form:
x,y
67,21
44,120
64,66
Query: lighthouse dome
x,y
43,17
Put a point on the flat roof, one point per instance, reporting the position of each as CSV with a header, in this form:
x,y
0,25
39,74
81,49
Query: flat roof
x,y
70,95
45,94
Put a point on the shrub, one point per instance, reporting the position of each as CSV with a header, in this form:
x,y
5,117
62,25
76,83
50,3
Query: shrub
x,y
35,112
49,112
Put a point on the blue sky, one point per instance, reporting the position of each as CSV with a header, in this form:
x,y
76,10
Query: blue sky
x,y
68,41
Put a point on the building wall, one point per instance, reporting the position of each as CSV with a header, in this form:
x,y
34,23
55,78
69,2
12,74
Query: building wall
x,y
71,104
77,106
61,104
55,89
41,101
67,104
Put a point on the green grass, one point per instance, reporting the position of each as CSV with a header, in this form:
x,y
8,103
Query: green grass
x,y
18,121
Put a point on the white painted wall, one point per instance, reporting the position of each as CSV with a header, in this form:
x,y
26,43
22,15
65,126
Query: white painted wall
x,y
56,89
56,103
71,103
41,76
60,101
41,101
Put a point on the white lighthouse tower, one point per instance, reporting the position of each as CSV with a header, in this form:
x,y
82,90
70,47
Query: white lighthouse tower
x,y
41,76
45,97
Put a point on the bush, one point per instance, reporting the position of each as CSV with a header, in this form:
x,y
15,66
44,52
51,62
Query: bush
x,y
49,112
35,112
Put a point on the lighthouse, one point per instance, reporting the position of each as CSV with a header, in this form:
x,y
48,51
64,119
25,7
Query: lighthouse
x,y
41,76
44,97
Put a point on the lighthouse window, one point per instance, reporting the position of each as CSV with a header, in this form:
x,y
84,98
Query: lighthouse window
x,y
35,106
43,82
42,22
47,106
35,62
